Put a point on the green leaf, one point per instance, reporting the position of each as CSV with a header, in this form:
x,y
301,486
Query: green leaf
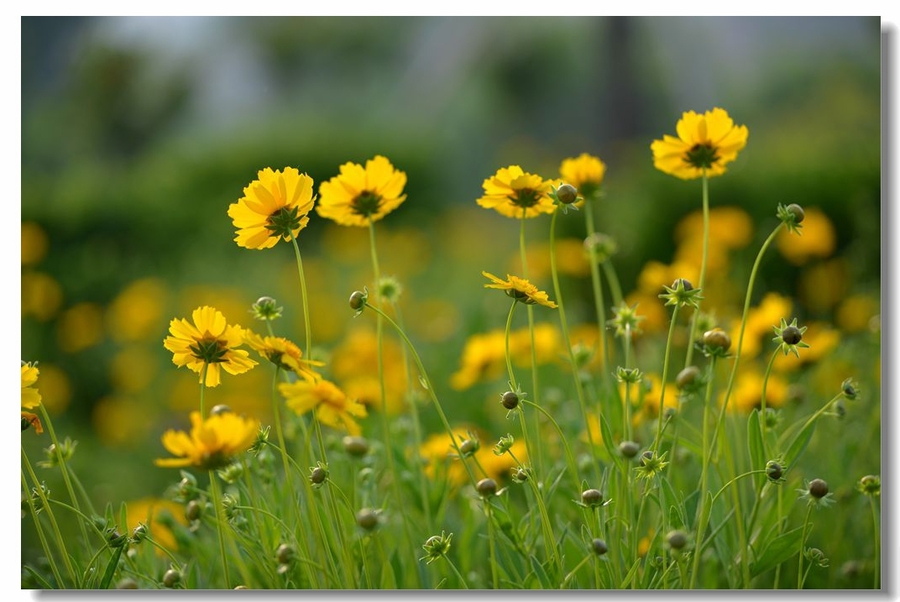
x,y
541,573
757,447
779,549
607,436
798,445
111,567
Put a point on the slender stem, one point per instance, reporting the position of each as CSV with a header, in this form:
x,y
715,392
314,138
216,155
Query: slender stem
x,y
456,572
598,291
803,535
306,321
203,390
494,576
693,330
39,528
538,459
220,523
509,368
753,272
665,377
579,388
614,287
703,510
762,399
877,540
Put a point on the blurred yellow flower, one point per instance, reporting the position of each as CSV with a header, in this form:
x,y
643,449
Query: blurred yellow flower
x,y
761,320
31,398
136,312
212,443
442,459
517,194
730,227
645,398
331,405
824,284
571,258
747,393
354,363
548,345
283,353
122,421
275,206
80,327
56,388
705,144
856,312
362,195
817,238
651,309
585,172
483,358
42,296
519,289
133,369
209,342
34,243
157,515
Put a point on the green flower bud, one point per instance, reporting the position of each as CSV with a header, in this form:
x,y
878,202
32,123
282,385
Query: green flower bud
x,y
367,519
818,488
629,449
567,194
357,300
171,578
285,553
486,487
774,471
318,475
677,539
509,400
356,446
797,211
193,510
687,377
127,583
592,497
599,547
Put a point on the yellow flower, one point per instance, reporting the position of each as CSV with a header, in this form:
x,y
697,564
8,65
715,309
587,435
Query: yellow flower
x,y
212,443
483,358
705,144
515,193
748,391
760,322
159,516
584,172
332,407
281,352
442,459
209,342
354,363
817,238
548,345
34,243
274,206
520,290
855,313
361,195
31,398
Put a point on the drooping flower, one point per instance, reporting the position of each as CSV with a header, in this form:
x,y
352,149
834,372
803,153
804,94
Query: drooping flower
x,y
584,172
275,206
705,144
212,443
331,405
519,289
361,195
285,354
517,194
209,342
31,397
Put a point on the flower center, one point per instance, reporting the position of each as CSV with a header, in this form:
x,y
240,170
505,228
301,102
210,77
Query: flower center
x,y
366,204
209,350
525,198
702,156
283,222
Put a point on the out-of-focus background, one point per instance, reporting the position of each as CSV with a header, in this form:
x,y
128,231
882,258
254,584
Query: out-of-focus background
x,y
138,132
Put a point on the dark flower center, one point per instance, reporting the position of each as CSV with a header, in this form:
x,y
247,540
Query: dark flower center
x,y
702,155
210,350
525,198
283,222
366,204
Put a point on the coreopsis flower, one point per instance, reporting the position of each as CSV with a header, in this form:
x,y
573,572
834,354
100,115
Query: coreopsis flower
x,y
705,144
585,172
210,342
212,443
518,194
362,195
281,352
519,289
31,397
275,206
332,407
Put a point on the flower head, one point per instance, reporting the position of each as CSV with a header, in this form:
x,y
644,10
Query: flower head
x,y
212,443
210,342
362,195
281,352
31,398
816,494
585,172
517,194
705,144
436,546
331,405
520,290
275,206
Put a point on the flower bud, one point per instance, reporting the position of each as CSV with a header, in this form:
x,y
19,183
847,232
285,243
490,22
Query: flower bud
x,y
193,510
870,485
367,519
318,475
510,400
717,339
677,539
468,447
171,578
592,497
357,300
629,449
774,470
567,194
818,488
599,547
687,377
139,533
797,211
791,335
685,284
356,446
285,553
127,583
486,487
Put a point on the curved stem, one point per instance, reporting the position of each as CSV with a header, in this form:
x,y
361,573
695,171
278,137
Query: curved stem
x,y
693,330
599,305
665,376
306,322
220,523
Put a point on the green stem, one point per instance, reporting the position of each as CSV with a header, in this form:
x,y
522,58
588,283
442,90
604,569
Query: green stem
x,y
306,322
803,534
703,510
877,540
579,388
614,287
494,575
665,377
40,529
762,400
693,330
220,523
597,290
538,459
